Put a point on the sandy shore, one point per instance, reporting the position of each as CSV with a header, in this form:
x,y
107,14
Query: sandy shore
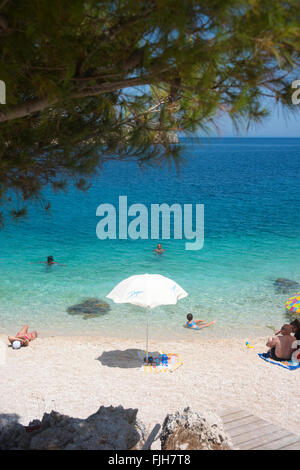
x,y
77,375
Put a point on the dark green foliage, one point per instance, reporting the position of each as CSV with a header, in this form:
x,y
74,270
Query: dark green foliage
x,y
88,81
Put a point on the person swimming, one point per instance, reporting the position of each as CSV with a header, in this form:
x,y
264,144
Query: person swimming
x,y
195,324
159,250
50,261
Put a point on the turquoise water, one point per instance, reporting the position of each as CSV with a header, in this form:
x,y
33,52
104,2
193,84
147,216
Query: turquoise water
x,y
250,189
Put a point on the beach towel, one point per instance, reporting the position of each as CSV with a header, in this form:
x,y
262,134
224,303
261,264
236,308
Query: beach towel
x,y
285,364
162,362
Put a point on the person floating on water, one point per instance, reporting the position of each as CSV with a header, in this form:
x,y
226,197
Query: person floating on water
x,y
22,338
159,250
197,324
50,261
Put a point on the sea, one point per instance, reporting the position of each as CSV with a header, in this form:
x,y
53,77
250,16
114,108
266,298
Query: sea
x,y
250,191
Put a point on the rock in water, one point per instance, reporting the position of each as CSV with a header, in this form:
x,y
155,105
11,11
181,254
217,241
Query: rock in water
x,y
194,431
110,428
286,286
89,308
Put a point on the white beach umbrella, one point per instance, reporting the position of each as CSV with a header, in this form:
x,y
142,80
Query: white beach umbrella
x,y
148,291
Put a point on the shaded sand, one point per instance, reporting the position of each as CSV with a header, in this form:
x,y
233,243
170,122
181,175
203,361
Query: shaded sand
x,y
77,375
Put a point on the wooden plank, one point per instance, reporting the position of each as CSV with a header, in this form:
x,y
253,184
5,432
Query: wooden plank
x,y
235,416
248,435
295,446
279,443
249,432
243,429
241,422
265,440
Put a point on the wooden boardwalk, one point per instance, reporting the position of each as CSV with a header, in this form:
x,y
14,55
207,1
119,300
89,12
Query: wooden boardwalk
x,y
248,432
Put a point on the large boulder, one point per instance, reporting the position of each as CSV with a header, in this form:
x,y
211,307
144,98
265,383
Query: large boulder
x,y
194,431
89,308
115,428
13,436
286,286
109,428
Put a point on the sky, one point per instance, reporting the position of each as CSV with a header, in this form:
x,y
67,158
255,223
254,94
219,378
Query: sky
x,y
278,124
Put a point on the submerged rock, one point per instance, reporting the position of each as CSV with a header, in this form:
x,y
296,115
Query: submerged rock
x,y
110,428
286,286
89,308
194,431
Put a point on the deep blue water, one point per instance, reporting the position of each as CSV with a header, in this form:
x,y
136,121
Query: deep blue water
x,y
250,190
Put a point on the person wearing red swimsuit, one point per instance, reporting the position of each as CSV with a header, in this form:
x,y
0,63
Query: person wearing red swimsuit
x,y
23,336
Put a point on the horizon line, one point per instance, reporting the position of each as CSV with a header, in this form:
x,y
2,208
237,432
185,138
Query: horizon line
x,y
239,137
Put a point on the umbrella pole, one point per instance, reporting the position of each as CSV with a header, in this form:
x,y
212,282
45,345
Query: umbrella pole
x,y
147,339
147,335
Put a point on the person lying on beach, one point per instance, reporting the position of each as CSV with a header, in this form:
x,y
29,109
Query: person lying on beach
x,y
159,250
281,346
195,324
22,338
50,261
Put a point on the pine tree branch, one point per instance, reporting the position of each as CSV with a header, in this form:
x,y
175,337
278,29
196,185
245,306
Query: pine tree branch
x,y
26,109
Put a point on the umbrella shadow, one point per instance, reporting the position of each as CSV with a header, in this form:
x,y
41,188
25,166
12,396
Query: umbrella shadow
x,y
127,359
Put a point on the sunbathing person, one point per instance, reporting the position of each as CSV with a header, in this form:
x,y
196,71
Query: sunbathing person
x,y
196,324
22,338
281,346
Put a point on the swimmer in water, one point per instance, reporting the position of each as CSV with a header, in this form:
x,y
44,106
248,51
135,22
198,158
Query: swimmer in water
x,y
197,324
50,261
158,250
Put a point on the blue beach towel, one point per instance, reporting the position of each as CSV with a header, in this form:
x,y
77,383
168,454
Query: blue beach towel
x,y
286,364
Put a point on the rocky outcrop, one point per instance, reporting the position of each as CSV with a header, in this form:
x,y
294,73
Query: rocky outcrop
x,y
89,308
286,286
116,428
108,429
194,431
14,437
